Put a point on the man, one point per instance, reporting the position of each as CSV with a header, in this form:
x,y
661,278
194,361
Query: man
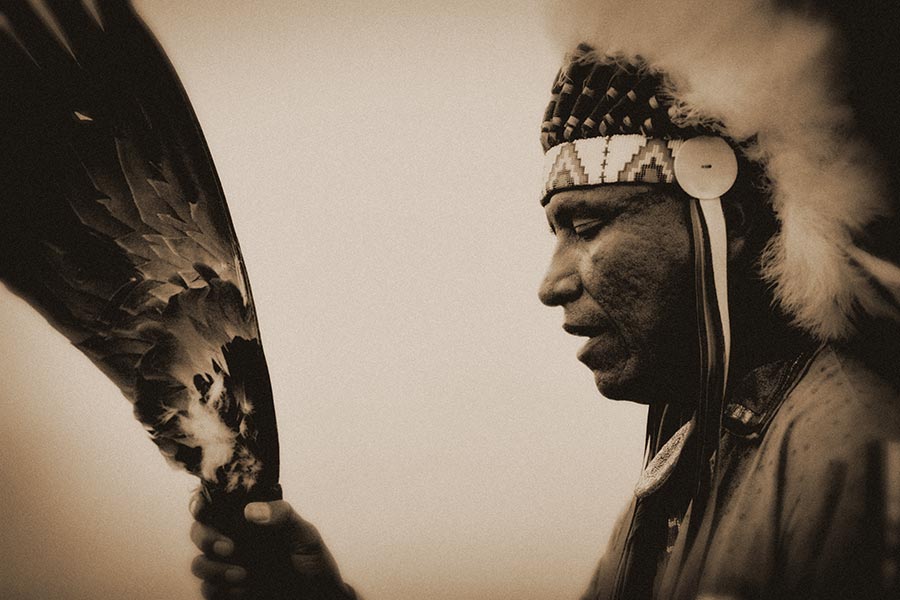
x,y
719,180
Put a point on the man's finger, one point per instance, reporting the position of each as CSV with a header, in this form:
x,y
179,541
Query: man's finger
x,y
280,513
302,534
210,541
200,507
217,573
274,514
197,505
209,591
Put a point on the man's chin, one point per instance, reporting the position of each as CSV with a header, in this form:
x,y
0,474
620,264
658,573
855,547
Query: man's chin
x,y
621,388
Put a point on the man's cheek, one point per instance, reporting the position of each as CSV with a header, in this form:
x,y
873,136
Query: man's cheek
x,y
626,285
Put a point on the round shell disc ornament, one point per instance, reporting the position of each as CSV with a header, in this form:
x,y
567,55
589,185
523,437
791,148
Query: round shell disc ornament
x,y
705,167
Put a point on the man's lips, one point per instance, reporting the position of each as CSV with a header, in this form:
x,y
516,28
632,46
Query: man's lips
x,y
583,330
594,332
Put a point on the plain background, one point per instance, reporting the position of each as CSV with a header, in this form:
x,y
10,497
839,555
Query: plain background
x,y
381,165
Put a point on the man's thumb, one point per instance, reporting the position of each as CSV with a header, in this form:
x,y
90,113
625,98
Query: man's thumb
x,y
268,513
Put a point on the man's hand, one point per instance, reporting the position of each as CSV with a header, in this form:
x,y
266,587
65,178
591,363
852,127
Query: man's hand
x,y
313,573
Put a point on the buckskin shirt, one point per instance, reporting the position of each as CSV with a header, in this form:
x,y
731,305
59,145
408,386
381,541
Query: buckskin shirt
x,y
807,502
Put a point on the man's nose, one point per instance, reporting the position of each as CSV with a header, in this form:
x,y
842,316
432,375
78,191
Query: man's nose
x,y
562,283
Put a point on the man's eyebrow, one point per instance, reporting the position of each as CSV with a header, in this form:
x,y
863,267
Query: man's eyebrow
x,y
620,198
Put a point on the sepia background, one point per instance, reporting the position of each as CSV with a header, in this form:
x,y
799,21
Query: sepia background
x,y
380,161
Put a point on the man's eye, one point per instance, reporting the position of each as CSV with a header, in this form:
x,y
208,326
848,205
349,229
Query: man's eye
x,y
588,229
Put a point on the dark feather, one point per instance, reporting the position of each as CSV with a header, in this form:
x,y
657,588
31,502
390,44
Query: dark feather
x,y
113,224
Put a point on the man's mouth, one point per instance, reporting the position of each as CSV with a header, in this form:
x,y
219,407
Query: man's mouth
x,y
594,332
583,330
586,355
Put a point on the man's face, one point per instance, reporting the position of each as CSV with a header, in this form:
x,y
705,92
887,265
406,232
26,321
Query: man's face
x,y
622,272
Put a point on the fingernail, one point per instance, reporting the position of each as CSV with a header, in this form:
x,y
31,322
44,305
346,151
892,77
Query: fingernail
x,y
258,512
193,507
235,574
223,548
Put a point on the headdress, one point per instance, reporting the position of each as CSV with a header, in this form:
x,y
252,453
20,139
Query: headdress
x,y
767,78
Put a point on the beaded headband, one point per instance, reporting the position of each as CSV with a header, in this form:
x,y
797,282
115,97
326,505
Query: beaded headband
x,y
611,159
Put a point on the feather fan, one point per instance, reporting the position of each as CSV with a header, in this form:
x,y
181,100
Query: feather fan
x,y
113,225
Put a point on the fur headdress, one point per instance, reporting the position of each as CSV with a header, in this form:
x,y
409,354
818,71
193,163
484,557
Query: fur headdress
x,y
774,79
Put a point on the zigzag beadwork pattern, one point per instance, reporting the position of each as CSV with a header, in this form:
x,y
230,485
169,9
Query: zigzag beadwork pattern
x,y
611,159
